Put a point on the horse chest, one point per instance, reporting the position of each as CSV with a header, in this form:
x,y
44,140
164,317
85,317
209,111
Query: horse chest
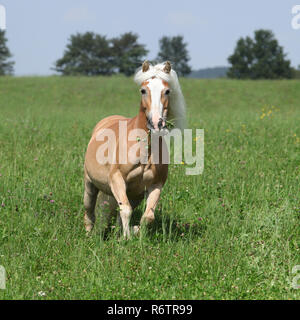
x,y
140,177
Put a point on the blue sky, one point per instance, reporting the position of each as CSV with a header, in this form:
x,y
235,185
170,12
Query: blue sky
x,y
38,30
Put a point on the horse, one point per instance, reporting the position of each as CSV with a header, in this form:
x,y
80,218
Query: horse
x,y
119,186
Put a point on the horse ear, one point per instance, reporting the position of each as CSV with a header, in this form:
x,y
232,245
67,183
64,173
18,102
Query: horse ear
x,y
168,67
145,66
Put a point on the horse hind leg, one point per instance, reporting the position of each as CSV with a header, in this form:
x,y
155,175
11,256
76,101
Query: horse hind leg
x,y
134,204
106,209
90,198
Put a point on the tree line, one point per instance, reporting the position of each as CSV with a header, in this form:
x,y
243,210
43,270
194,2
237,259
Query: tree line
x,y
260,58
92,54
6,64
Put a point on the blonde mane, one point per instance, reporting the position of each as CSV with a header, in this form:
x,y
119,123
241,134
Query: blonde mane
x,y
177,105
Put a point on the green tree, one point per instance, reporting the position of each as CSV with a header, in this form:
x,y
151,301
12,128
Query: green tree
x,y
127,53
6,66
86,54
259,58
174,49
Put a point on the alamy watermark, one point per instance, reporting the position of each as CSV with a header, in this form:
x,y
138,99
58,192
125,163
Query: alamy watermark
x,y
2,278
2,17
135,146
296,18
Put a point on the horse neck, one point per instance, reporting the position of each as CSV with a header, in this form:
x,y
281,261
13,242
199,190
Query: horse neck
x,y
141,120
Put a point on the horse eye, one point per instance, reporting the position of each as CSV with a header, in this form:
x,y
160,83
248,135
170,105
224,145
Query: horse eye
x,y
167,92
143,91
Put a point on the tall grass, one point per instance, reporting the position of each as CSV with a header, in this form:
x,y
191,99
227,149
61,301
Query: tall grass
x,y
231,233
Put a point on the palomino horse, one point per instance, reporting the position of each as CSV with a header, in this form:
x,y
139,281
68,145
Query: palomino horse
x,y
121,185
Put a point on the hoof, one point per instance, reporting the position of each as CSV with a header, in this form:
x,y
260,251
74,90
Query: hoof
x,y
136,230
88,228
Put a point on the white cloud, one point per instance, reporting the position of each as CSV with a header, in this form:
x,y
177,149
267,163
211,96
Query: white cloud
x,y
79,14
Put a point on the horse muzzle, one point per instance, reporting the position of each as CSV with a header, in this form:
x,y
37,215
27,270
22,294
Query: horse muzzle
x,y
159,127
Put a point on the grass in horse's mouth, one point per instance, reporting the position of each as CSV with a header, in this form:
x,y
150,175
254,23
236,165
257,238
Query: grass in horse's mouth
x,y
169,124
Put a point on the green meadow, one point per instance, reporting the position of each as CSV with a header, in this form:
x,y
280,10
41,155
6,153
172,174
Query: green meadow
x,y
230,233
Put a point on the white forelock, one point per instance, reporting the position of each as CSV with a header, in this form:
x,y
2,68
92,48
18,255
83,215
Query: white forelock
x,y
177,104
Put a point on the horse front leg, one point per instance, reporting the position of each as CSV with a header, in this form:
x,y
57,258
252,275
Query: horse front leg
x,y
153,192
118,188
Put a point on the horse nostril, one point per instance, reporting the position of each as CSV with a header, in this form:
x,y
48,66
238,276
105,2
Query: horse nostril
x,y
160,123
